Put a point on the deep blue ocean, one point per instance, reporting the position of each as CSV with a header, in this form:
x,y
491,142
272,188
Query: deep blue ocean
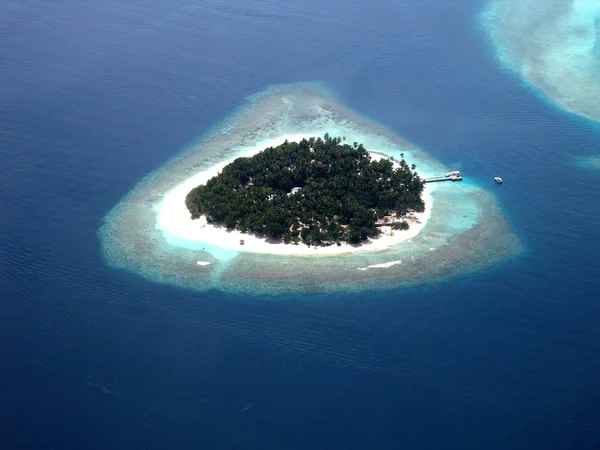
x,y
94,95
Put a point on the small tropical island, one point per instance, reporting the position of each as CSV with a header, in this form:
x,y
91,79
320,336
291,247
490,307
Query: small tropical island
x,y
318,191
295,182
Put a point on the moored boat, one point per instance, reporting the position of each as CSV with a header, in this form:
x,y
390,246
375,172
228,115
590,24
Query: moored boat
x,y
498,180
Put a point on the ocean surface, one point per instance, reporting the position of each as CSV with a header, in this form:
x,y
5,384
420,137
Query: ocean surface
x,y
94,95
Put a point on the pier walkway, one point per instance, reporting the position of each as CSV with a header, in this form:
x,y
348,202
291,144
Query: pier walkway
x,y
451,178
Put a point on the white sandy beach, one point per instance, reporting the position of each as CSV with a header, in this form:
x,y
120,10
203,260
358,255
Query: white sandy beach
x,y
174,219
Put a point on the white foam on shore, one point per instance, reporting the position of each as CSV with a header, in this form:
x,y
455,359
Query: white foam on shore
x,y
177,226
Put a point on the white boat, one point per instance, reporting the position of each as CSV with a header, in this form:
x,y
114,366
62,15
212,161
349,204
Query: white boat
x,y
498,180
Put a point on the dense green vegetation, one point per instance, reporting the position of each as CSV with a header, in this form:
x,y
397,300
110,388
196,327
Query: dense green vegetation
x,y
343,194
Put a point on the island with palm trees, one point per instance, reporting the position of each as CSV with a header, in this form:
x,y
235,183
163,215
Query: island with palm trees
x,y
317,191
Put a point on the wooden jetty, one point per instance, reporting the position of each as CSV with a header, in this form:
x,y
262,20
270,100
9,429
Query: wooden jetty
x,y
433,180
455,175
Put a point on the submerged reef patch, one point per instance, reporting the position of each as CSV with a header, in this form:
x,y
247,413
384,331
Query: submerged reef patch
x,y
588,162
465,229
554,46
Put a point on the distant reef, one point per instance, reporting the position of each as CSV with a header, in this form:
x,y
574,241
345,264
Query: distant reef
x,y
319,191
553,45
589,162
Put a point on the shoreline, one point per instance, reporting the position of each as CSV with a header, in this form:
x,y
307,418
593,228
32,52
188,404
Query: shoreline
x,y
174,219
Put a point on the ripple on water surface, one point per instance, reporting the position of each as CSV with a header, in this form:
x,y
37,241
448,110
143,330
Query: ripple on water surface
x,y
465,230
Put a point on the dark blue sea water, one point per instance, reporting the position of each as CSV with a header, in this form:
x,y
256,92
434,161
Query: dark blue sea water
x,y
94,95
